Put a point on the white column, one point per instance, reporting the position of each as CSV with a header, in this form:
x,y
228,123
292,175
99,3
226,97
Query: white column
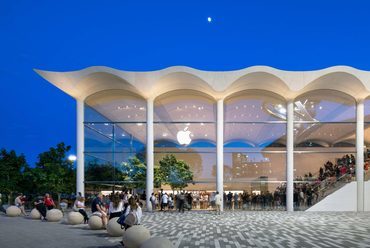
x,y
360,155
290,156
80,170
220,149
149,152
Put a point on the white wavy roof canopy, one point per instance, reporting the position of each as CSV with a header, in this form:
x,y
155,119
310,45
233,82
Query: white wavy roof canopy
x,y
218,84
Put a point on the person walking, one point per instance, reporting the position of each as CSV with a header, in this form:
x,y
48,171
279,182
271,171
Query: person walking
x,y
164,201
181,201
218,202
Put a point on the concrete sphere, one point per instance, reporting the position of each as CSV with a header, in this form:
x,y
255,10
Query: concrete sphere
x,y
157,242
114,229
35,214
135,236
13,211
75,218
95,222
54,215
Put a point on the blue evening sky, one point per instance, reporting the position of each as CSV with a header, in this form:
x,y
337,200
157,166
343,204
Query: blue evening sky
x,y
149,35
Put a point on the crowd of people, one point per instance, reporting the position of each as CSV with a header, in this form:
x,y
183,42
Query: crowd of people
x,y
309,189
181,201
307,192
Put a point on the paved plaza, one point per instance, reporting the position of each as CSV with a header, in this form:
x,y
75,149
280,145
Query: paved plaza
x,y
204,229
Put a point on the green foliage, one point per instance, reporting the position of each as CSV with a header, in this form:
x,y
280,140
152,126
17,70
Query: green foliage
x,y
173,172
54,172
11,171
134,171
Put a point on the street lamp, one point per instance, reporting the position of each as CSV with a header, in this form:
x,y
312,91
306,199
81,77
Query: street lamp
x,y
72,158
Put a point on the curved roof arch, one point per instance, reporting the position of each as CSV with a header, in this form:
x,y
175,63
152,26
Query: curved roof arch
x,y
174,81
342,81
91,84
264,81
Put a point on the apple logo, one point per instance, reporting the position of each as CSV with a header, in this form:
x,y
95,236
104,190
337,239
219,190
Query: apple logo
x,y
183,137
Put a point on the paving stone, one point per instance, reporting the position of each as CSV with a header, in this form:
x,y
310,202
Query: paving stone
x,y
204,229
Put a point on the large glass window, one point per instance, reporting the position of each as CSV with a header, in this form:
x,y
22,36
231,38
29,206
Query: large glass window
x,y
255,151
324,139
185,126
367,154
115,133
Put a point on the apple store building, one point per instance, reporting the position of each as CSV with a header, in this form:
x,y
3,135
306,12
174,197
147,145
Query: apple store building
x,y
268,138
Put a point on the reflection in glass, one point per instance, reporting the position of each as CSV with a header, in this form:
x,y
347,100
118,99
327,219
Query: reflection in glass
x,y
324,139
254,151
115,132
184,126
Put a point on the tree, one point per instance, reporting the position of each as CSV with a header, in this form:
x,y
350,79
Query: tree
x,y
102,172
175,173
54,173
134,171
11,171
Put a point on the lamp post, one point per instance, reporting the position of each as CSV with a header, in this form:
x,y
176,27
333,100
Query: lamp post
x,y
72,158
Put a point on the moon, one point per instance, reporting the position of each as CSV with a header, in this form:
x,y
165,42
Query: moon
x,y
209,19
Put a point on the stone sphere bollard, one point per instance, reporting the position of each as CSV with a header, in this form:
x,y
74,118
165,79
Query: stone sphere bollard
x,y
95,223
13,211
157,242
75,218
135,236
54,215
114,229
35,214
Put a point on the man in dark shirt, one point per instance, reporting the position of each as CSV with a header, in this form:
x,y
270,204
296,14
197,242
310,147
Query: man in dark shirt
x,y
229,200
97,208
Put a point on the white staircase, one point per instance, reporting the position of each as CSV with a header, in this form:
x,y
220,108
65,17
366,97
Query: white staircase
x,y
344,199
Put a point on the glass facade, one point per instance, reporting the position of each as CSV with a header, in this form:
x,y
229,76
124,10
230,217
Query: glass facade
x,y
185,126
324,140
115,133
255,152
367,154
